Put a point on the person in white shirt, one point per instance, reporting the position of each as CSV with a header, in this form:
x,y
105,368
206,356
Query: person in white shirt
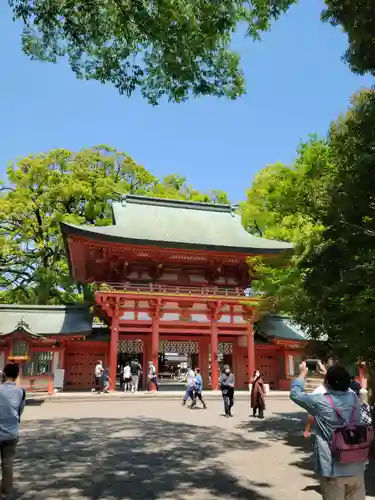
x,y
127,378
152,377
98,374
190,384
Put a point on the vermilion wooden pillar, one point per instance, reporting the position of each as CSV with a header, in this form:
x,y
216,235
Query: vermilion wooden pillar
x,y
113,349
155,342
204,343
146,359
236,361
215,349
250,352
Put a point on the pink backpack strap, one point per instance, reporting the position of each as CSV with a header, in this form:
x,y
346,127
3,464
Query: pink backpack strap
x,y
353,416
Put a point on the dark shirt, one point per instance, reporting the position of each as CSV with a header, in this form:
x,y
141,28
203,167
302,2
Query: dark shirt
x,y
355,386
227,382
135,369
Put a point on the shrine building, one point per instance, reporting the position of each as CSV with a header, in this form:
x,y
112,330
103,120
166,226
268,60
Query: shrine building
x,y
170,278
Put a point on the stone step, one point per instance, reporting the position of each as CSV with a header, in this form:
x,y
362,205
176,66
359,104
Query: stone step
x,y
74,397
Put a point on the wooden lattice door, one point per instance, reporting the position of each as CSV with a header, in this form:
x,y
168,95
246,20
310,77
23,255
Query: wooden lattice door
x,y
268,366
79,367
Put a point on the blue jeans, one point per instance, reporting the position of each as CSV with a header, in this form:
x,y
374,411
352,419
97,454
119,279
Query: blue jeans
x,y
189,393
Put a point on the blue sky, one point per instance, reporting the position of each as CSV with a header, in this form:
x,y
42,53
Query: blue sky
x,y
296,84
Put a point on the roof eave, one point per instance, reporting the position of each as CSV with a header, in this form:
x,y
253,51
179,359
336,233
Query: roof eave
x,y
69,230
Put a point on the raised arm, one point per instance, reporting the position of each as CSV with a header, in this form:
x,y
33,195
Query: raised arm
x,y
309,402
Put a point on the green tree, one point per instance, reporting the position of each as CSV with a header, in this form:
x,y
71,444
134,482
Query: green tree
x,y
327,286
48,188
339,271
286,203
357,19
173,48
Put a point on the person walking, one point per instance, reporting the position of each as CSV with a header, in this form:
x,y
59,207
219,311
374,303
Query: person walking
x,y
12,403
106,381
127,378
190,384
258,395
198,389
227,382
98,374
136,372
151,378
339,463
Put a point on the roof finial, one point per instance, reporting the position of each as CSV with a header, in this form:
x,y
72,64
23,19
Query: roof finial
x,y
122,197
233,208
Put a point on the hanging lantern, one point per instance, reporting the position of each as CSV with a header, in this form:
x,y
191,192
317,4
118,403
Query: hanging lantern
x,y
20,351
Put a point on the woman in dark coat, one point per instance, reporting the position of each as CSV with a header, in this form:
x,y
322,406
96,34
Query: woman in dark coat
x,y
258,397
227,382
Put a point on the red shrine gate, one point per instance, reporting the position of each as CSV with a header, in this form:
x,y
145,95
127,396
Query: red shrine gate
x,y
171,270
222,321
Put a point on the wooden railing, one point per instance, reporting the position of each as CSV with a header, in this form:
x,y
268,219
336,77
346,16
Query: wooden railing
x,y
217,291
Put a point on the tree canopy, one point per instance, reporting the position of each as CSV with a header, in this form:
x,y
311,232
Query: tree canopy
x,y
76,187
325,205
173,48
357,19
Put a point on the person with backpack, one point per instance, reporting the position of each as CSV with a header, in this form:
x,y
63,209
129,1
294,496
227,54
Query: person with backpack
x,y
342,440
12,403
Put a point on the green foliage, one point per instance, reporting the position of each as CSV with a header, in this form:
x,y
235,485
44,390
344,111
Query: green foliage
x,y
285,203
325,205
340,270
176,48
57,186
172,48
357,19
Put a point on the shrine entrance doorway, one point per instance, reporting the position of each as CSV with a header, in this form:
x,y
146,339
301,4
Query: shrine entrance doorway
x,y
128,351
175,357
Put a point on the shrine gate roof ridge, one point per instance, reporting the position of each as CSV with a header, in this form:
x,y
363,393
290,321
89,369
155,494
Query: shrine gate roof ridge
x,y
177,224
45,319
281,327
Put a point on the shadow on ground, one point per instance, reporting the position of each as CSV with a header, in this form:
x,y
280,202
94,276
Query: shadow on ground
x,y
128,459
287,428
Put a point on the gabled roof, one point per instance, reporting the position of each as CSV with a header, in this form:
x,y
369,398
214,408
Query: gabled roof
x,y
24,327
282,328
45,320
177,224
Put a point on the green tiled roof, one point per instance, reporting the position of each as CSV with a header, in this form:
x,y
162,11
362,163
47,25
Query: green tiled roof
x,y
281,328
45,320
177,224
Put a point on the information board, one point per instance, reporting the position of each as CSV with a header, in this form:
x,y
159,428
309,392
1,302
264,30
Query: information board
x,y
58,380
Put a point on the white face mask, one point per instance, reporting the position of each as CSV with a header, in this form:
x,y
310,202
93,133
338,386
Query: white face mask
x,y
257,374
227,372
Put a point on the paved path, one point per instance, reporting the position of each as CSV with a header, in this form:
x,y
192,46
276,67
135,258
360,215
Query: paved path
x,y
149,450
